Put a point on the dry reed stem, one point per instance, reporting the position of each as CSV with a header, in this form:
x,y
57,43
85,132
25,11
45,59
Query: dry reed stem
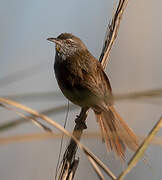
x,y
112,32
70,153
111,36
58,126
46,135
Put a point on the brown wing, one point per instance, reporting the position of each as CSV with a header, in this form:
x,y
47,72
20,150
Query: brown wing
x,y
104,84
90,76
82,80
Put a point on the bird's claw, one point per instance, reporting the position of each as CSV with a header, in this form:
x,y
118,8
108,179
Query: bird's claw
x,y
79,120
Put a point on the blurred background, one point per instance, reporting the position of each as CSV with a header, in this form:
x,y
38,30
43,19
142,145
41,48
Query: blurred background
x,y
26,69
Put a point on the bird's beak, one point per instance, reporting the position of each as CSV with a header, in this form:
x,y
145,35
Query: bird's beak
x,y
55,40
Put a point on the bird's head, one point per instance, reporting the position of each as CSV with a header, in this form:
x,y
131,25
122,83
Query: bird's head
x,y
67,44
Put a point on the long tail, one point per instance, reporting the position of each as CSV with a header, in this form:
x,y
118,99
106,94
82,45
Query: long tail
x,y
115,132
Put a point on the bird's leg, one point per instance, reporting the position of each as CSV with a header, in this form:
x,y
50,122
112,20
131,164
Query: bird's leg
x,y
82,117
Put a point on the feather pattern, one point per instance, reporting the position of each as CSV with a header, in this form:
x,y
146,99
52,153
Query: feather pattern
x,y
83,81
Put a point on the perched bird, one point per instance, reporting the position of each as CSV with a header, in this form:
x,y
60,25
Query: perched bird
x,y
83,81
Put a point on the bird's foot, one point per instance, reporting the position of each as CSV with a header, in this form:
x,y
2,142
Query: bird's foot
x,y
80,120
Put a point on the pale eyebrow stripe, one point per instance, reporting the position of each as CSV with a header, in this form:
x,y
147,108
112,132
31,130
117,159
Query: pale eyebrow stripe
x,y
71,40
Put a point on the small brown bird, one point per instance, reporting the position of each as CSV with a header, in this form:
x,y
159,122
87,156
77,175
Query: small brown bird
x,y
83,81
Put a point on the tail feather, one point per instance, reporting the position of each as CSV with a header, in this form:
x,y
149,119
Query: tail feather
x,y
115,132
131,139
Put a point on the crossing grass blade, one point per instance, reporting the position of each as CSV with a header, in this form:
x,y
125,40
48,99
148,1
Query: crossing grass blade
x,y
34,113
141,150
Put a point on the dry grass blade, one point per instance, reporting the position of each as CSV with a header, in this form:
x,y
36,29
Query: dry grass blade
x,y
50,96
47,135
24,119
12,124
58,109
100,163
112,32
36,96
141,149
53,123
20,75
137,95
97,170
28,137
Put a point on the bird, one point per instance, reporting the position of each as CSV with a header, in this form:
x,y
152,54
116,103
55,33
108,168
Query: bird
x,y
82,80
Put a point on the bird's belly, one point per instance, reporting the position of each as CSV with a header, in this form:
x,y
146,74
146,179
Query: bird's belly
x,y
78,97
73,89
